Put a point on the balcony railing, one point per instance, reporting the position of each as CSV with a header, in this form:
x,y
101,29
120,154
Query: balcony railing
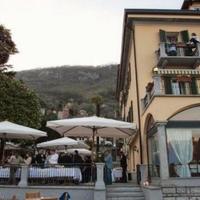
x,y
186,55
158,88
64,174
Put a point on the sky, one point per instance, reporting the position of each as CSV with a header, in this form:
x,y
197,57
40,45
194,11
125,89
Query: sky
x,y
69,32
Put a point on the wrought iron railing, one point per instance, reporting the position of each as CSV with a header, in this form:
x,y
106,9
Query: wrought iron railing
x,y
10,174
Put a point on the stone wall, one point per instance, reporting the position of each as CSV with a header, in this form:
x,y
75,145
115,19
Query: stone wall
x,y
181,193
78,192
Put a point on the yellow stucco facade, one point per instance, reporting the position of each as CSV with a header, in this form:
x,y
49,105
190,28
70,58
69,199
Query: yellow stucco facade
x,y
142,34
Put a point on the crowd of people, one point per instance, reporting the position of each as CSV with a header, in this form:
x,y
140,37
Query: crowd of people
x,y
48,157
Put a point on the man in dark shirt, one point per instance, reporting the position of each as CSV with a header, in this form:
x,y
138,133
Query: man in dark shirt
x,y
123,163
40,158
77,158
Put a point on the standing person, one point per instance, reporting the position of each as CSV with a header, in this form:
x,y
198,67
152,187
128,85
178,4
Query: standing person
x,y
40,158
123,163
193,42
15,160
52,159
108,168
28,159
194,39
77,158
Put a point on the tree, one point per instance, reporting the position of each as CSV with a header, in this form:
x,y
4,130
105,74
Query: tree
x,y
97,100
7,47
18,103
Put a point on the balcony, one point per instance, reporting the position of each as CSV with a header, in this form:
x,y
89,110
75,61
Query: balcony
x,y
173,85
186,56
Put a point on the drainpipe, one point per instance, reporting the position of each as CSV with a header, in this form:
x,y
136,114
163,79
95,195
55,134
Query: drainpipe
x,y
137,96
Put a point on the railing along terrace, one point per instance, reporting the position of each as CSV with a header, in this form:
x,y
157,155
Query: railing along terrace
x,y
10,174
62,174
154,170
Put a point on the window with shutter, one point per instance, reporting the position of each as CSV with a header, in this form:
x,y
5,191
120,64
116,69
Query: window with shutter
x,y
193,86
185,36
162,35
198,85
168,88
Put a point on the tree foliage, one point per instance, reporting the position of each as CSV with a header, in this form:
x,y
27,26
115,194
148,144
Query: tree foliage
x,y
18,103
7,47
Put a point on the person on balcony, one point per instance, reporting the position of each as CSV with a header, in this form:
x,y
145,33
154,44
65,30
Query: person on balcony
x,y
194,39
193,43
171,48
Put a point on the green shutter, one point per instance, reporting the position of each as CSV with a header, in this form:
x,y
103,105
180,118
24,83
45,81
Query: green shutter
x,y
162,35
168,86
185,36
193,86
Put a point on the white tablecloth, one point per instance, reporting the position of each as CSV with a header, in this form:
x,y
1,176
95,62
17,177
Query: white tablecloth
x,y
5,172
116,174
74,173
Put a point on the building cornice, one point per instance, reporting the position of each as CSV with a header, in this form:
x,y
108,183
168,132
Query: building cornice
x,y
162,12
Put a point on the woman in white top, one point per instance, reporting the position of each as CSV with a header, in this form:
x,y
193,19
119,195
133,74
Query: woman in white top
x,y
28,159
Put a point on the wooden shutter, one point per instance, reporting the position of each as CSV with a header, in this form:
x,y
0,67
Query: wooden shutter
x,y
132,111
193,86
185,36
168,86
162,35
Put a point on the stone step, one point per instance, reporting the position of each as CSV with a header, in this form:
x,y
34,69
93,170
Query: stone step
x,y
125,194
125,198
124,189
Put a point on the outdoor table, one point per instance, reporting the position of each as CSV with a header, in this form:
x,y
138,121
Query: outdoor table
x,y
116,174
52,172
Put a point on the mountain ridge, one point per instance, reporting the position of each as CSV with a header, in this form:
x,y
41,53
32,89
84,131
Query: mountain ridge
x,y
57,85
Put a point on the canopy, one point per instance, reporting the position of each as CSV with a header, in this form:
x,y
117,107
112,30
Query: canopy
x,y
14,131
62,143
80,151
90,126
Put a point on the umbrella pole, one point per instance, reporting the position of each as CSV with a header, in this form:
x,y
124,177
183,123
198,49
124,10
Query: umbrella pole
x,y
2,150
93,132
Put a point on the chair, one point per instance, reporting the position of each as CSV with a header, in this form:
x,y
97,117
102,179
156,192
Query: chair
x,y
32,195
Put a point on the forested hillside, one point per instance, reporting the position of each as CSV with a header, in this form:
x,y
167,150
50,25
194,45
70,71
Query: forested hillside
x,y
59,85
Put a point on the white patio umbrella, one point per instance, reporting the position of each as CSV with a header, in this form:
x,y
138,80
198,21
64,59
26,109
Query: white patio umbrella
x,y
62,143
92,126
9,130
